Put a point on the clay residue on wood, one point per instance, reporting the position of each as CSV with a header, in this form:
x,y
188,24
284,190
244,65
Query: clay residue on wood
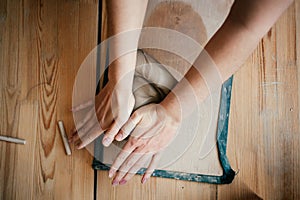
x,y
181,17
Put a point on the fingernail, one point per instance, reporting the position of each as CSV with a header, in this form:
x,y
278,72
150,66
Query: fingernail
x,y
73,131
106,141
115,182
110,174
122,182
144,180
119,137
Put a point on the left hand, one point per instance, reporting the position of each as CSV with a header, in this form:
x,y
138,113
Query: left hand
x,y
113,106
153,128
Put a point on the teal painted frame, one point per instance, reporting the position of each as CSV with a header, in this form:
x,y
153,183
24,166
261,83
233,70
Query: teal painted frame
x,y
223,119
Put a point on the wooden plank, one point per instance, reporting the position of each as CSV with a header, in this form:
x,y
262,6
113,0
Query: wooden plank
x,y
77,36
9,94
264,127
296,154
156,188
48,55
42,46
23,169
3,11
264,124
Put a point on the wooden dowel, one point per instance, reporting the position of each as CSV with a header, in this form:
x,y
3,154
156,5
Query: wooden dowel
x,y
64,137
12,140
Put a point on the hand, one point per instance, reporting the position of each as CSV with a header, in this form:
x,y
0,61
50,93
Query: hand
x,y
153,128
113,106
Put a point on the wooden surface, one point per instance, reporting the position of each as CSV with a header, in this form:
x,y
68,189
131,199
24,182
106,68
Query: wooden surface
x,y
42,44
264,133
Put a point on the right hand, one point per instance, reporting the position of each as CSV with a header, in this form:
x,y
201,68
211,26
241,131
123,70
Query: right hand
x,y
152,128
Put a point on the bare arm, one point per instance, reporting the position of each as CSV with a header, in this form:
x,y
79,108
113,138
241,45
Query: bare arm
x,y
124,16
247,23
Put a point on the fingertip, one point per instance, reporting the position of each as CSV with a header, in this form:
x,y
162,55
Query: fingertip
x,y
111,173
123,182
119,137
144,179
115,182
106,141
79,146
73,131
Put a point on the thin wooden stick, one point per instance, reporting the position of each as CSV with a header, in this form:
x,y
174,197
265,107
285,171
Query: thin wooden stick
x,y
64,137
12,139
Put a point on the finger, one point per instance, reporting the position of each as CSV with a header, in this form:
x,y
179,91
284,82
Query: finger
x,y
83,105
84,131
75,137
126,166
90,136
125,130
111,133
73,133
87,118
126,151
153,164
138,165
128,126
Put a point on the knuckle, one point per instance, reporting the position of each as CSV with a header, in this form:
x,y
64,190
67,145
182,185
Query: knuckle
x,y
133,142
135,115
129,163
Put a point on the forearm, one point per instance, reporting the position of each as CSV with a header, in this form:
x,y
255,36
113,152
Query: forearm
x,y
247,23
124,16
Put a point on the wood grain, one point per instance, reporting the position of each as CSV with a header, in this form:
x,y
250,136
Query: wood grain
x,y
42,46
159,188
25,154
264,129
10,87
264,123
155,189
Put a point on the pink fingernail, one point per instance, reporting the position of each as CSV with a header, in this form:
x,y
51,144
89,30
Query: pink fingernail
x,y
110,174
119,137
78,146
144,180
122,182
106,141
115,182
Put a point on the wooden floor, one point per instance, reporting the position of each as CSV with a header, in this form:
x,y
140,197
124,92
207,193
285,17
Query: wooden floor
x,y
42,44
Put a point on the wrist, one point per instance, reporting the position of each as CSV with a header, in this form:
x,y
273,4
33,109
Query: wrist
x,y
121,71
172,106
120,85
